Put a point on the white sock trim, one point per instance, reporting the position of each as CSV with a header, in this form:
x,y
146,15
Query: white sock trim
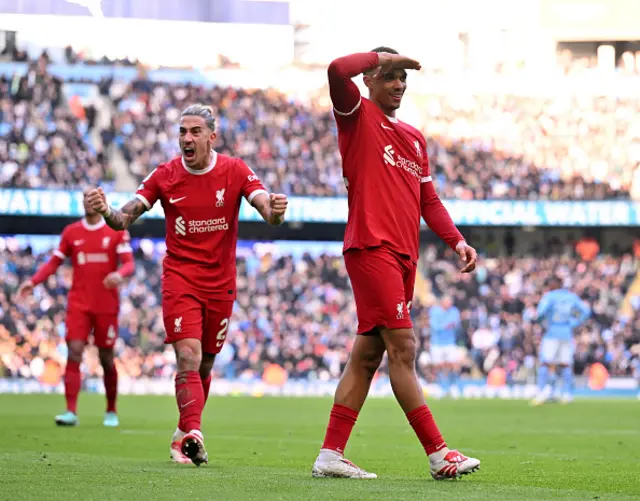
x,y
329,453
438,456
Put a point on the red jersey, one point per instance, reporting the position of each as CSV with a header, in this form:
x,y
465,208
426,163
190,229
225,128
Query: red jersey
x,y
94,251
385,168
201,219
384,161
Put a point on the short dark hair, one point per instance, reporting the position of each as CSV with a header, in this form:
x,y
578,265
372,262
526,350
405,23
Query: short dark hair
x,y
555,281
383,48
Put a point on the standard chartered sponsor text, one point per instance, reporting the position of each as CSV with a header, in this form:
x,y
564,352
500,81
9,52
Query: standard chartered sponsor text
x,y
410,166
208,225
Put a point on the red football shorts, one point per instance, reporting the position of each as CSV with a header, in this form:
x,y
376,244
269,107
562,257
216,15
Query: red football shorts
x,y
382,283
80,324
187,315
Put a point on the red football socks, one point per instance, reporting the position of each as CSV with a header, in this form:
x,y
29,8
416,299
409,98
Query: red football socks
x,y
341,422
190,398
72,382
426,429
206,384
111,387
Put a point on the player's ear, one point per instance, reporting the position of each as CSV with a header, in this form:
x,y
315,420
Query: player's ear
x,y
368,81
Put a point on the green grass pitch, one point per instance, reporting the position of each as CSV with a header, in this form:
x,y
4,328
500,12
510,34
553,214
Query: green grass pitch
x,y
263,449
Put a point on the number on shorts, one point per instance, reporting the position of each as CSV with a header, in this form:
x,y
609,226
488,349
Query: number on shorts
x,y
222,333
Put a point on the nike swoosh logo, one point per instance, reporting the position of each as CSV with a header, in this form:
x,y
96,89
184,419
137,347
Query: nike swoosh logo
x,y
175,200
187,403
78,242
385,127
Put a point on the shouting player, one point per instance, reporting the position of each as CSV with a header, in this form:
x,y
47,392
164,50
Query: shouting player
x,y
200,192
93,303
562,311
389,186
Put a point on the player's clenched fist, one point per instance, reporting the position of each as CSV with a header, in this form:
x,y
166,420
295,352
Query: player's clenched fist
x,y
112,280
97,200
279,204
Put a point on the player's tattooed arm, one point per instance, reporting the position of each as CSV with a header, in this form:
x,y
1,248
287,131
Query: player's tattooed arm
x,y
122,219
117,219
271,207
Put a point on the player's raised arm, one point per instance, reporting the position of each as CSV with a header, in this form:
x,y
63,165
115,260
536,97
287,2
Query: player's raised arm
x,y
117,219
438,219
344,93
272,207
146,196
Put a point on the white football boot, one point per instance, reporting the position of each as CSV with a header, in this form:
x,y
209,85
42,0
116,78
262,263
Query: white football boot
x,y
176,448
453,465
332,464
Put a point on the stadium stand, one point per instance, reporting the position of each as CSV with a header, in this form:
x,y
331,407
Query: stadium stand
x,y
305,326
44,138
487,147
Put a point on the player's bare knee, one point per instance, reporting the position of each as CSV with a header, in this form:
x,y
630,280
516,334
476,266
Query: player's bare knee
x,y
188,354
368,362
401,347
367,354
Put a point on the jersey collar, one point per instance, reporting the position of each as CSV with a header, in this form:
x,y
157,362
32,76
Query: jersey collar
x,y
93,227
214,160
392,119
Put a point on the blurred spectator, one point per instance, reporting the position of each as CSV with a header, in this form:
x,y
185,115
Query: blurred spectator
x,y
565,146
44,142
299,314
480,147
290,146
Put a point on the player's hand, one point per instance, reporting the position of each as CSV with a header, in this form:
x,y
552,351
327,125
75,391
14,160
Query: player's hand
x,y
388,62
468,254
25,289
278,204
112,280
97,200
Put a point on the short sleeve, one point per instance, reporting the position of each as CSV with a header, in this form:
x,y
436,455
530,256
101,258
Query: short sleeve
x,y
124,243
251,184
148,191
64,247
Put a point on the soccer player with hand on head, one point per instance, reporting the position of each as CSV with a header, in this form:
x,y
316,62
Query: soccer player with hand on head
x,y
389,185
93,303
201,192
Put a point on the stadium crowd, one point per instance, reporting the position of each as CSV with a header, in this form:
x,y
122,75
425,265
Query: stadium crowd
x,y
482,146
486,147
305,326
44,138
